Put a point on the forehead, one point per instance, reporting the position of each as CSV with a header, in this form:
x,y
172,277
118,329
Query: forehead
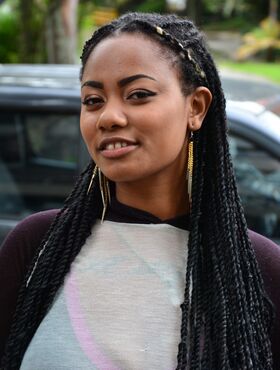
x,y
128,53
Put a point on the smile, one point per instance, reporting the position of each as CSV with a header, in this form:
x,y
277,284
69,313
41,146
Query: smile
x,y
116,147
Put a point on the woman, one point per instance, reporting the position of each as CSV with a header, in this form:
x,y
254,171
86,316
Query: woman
x,y
107,287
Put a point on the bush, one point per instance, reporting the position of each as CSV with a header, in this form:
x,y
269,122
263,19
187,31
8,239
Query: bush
x,y
265,38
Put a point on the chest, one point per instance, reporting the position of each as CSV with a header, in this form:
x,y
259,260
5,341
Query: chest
x,y
119,307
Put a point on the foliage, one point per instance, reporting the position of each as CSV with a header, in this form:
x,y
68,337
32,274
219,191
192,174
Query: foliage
x,y
266,37
237,23
23,38
86,25
228,13
140,5
9,35
226,7
91,15
32,39
152,6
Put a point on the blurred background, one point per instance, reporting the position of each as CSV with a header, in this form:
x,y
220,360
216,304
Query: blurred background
x,y
243,34
41,149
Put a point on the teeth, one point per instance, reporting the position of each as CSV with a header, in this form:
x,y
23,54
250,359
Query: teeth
x,y
116,145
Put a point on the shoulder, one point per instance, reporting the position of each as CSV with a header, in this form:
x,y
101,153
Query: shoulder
x,y
32,228
260,242
22,241
33,225
268,257
267,254
16,255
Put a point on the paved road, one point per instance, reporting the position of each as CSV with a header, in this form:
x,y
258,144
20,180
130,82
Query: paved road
x,y
239,86
223,44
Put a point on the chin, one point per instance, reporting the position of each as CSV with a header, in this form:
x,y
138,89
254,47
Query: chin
x,y
124,175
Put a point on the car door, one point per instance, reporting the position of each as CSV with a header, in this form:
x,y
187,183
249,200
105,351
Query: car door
x,y
257,170
41,155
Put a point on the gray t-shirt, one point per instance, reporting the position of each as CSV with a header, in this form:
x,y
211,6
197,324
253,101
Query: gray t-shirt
x,y
119,307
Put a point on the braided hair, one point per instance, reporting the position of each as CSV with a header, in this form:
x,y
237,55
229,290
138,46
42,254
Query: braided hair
x,y
226,316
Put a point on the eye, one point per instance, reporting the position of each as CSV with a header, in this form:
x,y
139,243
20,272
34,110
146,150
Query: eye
x,y
92,101
140,94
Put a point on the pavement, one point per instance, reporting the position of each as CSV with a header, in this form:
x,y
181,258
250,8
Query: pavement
x,y
223,44
238,85
241,86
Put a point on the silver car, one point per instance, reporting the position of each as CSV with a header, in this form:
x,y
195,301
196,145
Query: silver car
x,y
42,153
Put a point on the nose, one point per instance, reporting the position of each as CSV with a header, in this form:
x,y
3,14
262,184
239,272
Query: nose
x,y
112,117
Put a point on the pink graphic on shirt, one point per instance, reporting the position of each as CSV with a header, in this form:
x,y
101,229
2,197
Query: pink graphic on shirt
x,y
89,347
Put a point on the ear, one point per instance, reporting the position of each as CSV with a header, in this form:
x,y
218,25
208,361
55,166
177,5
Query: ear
x,y
200,101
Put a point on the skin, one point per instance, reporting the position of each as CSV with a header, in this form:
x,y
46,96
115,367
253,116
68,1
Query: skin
x,y
150,112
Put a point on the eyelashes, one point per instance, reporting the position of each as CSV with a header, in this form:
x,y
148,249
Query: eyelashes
x,y
140,94
137,95
92,101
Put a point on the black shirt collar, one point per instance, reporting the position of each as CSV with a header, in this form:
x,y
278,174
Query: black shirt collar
x,y
119,212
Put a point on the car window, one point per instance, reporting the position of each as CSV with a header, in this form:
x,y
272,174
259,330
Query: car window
x,y
38,161
53,136
258,178
10,139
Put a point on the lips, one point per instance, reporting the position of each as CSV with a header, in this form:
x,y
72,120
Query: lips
x,y
115,143
116,147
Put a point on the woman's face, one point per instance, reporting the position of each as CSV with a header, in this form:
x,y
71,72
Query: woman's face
x,y
134,117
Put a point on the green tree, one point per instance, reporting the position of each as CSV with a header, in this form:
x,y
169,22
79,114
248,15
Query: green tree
x,y
9,35
45,32
31,37
194,10
60,28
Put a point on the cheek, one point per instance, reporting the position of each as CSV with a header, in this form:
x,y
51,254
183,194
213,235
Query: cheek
x,y
87,127
167,128
88,131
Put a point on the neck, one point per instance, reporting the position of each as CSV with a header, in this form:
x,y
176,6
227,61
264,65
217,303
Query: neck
x,y
164,200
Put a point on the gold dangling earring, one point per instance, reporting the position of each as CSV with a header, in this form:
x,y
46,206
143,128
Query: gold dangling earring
x,y
190,167
94,172
105,192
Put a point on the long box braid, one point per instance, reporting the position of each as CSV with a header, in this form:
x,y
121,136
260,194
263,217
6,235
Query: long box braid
x,y
226,315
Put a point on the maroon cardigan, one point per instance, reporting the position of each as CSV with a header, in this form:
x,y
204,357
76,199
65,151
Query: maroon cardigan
x,y
18,249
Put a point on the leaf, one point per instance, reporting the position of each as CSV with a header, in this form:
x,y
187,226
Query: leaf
x,y
264,37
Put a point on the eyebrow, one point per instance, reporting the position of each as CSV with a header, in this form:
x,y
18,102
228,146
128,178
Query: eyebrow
x,y
121,83
129,79
94,84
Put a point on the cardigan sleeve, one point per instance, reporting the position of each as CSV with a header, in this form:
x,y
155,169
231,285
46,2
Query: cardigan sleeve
x,y
16,254
268,257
